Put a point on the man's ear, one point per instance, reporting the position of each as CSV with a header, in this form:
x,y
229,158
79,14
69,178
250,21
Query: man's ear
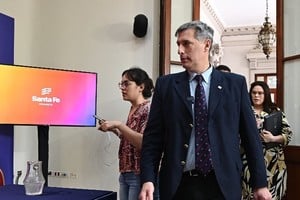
x,y
208,44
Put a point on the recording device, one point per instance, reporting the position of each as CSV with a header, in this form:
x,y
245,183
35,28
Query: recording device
x,y
191,99
99,118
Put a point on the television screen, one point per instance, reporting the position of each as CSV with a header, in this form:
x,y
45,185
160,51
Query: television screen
x,y
45,96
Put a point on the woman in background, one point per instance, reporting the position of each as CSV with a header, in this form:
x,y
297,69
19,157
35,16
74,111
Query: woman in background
x,y
274,157
136,87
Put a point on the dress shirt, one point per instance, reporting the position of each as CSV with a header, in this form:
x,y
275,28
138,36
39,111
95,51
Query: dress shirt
x,y
190,161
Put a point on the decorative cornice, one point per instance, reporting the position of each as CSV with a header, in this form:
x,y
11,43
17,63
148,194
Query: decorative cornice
x,y
242,30
245,30
239,40
212,13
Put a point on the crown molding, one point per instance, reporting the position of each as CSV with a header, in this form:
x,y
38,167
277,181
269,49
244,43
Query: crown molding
x,y
239,40
206,6
243,30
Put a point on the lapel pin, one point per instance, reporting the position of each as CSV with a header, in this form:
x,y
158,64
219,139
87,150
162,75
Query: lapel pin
x,y
219,87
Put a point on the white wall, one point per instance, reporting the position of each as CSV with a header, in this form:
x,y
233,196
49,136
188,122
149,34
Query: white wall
x,y
94,35
234,54
242,54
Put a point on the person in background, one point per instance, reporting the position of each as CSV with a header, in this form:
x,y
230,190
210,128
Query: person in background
x,y
274,156
223,68
136,88
169,142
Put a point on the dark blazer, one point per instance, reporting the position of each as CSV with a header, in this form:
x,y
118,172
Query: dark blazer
x,y
231,121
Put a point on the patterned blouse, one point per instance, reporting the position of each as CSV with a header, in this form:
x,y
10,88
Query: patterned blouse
x,y
275,163
129,156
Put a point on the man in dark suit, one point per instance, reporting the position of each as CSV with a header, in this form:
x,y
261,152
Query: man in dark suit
x,y
169,139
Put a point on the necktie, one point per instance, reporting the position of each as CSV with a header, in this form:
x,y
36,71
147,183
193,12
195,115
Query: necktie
x,y
202,147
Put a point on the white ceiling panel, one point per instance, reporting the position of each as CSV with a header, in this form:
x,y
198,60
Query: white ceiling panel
x,y
234,13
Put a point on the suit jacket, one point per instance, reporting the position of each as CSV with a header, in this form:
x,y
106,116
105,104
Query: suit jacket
x,y
230,122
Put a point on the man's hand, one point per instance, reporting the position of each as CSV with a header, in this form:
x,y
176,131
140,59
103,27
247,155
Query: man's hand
x,y
147,191
262,194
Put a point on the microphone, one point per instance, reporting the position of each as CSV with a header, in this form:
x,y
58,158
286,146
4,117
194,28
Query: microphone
x,y
191,99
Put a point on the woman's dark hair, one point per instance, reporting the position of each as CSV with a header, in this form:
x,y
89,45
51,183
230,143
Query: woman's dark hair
x,y
223,67
140,77
268,105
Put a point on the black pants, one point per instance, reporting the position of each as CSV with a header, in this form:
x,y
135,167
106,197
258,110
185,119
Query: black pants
x,y
194,186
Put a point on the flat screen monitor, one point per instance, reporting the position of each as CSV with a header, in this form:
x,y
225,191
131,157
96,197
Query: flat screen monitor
x,y
45,96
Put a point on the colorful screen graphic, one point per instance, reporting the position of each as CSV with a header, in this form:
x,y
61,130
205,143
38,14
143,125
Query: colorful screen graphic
x,y
44,96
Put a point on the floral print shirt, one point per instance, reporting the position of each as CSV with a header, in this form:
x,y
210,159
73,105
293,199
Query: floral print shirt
x,y
129,156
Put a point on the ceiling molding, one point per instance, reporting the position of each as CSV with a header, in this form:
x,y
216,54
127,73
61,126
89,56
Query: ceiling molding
x,y
245,30
239,40
242,30
213,14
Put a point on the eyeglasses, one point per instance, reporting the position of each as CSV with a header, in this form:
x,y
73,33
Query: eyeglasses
x,y
124,84
257,93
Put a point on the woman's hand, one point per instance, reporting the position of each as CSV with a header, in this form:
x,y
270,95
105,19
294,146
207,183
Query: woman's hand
x,y
110,126
267,136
